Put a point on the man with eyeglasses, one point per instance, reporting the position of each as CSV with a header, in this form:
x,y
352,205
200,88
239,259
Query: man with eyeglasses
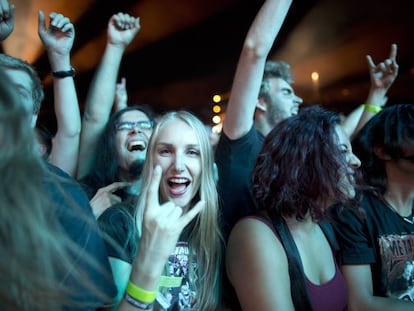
x,y
119,157
114,184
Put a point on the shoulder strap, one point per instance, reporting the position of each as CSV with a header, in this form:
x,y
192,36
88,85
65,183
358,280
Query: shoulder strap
x,y
298,287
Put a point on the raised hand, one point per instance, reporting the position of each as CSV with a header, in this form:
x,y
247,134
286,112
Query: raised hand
x,y
59,36
383,74
6,19
122,29
105,198
163,223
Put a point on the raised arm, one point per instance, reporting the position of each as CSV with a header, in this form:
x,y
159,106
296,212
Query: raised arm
x,y
122,29
6,19
249,73
58,39
382,76
161,228
121,95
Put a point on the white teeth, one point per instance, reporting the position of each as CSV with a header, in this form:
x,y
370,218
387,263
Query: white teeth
x,y
178,180
136,145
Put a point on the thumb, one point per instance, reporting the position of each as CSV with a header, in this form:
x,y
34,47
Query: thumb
x,y
41,22
12,8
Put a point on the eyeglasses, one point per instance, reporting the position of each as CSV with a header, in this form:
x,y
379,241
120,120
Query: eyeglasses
x,y
127,125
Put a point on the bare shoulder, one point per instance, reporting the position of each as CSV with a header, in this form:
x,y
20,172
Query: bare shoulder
x,y
257,267
254,241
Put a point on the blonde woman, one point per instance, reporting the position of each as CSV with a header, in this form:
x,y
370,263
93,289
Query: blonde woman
x,y
179,252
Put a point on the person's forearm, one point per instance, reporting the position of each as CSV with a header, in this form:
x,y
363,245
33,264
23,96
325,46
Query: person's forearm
x,y
249,73
101,94
66,141
98,106
65,97
146,273
376,303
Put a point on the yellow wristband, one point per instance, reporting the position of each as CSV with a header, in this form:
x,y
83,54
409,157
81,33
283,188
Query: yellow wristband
x,y
140,294
372,108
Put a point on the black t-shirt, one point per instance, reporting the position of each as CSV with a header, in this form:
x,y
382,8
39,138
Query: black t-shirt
x,y
76,217
235,161
119,231
382,239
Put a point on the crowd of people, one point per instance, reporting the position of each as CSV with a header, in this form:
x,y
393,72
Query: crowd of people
x,y
293,209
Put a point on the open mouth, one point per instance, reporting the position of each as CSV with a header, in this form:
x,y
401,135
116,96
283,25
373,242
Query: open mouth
x,y
178,186
137,145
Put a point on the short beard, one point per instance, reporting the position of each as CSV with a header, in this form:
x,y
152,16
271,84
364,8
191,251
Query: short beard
x,y
135,169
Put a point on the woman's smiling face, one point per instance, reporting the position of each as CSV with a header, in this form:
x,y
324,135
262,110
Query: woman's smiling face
x,y
177,151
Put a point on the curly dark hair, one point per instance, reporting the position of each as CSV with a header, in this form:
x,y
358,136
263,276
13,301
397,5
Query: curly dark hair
x,y
300,166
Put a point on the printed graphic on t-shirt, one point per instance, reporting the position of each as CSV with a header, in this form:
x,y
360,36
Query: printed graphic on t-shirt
x,y
177,288
397,255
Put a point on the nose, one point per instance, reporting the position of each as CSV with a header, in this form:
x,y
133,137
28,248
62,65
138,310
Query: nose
x,y
179,163
136,129
298,100
354,161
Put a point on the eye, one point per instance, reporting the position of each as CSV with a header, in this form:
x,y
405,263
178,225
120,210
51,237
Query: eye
x,y
145,125
164,151
23,92
193,152
344,148
124,126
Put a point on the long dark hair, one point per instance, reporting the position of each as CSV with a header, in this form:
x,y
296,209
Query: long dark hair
x,y
105,166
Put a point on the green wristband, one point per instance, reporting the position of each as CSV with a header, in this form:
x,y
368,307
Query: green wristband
x,y
140,294
372,108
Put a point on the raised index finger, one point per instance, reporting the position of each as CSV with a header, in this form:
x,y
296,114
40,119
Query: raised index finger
x,y
393,52
152,194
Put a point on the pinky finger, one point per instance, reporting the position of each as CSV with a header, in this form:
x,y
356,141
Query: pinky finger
x,y
192,213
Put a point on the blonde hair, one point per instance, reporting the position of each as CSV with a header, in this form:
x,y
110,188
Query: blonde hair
x,y
204,235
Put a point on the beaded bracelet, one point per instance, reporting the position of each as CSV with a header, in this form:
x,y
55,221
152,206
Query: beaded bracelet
x,y
372,108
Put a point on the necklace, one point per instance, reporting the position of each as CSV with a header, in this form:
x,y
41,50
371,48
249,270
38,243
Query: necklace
x,y
408,219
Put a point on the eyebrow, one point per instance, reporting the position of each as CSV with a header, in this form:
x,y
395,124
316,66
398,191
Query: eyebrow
x,y
21,86
287,89
172,145
140,121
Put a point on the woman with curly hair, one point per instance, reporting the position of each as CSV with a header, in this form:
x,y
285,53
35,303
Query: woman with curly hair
x,y
283,258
